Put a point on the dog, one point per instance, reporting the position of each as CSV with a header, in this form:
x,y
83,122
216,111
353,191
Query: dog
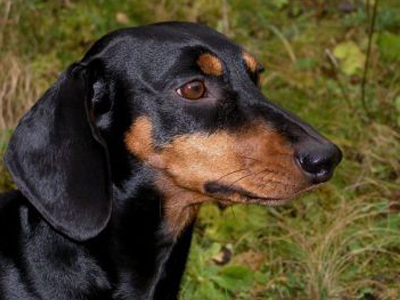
x,y
114,161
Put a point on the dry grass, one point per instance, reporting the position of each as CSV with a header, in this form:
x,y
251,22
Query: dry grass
x,y
17,90
333,248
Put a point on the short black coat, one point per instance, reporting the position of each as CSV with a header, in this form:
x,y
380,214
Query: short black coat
x,y
90,218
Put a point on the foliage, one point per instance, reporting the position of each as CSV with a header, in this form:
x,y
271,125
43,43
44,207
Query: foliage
x,y
352,60
340,242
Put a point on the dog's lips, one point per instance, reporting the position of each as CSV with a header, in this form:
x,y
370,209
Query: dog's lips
x,y
236,194
264,201
268,201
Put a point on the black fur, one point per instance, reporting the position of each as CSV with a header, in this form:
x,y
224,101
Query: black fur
x,y
87,221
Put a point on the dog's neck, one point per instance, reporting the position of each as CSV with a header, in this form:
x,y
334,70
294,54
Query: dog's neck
x,y
151,229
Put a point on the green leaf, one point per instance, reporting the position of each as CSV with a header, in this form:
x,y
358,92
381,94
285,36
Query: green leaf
x,y
234,278
279,4
351,58
208,291
389,46
261,278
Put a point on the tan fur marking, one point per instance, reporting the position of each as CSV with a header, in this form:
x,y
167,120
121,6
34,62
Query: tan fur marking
x,y
181,206
139,141
259,155
250,61
257,160
210,64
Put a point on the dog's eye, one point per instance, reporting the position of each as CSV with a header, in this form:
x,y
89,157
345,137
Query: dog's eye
x,y
193,90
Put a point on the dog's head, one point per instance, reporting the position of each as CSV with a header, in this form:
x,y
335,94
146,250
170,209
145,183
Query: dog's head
x,y
178,99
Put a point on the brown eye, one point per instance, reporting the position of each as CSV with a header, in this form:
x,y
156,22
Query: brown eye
x,y
193,90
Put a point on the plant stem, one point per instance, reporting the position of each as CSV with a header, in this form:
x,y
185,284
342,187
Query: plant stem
x,y
367,60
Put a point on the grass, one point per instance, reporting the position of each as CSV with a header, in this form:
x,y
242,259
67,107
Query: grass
x,y
341,242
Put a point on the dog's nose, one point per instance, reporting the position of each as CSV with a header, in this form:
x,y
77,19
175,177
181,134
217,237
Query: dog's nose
x,y
318,161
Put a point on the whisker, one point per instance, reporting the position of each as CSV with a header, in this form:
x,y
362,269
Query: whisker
x,y
219,179
233,172
243,177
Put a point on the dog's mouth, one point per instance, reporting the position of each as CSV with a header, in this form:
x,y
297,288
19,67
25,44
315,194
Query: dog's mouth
x,y
234,194
268,201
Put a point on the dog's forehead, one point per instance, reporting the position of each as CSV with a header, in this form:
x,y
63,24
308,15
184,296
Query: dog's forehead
x,y
163,41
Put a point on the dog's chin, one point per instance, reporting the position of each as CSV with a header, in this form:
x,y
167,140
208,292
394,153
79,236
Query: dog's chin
x,y
241,196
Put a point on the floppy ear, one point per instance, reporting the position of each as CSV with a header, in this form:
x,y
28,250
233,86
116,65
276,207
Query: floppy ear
x,y
59,161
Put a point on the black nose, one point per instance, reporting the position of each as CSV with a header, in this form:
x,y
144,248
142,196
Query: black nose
x,y
318,161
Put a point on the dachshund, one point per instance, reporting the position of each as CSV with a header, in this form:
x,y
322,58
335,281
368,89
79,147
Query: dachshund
x,y
114,161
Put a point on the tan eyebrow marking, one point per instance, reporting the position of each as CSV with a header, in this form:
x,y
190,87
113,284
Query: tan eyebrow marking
x,y
250,61
210,64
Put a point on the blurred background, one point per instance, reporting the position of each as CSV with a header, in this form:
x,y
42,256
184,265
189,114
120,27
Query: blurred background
x,y
334,63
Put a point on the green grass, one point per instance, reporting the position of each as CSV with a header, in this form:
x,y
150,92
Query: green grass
x,y
340,242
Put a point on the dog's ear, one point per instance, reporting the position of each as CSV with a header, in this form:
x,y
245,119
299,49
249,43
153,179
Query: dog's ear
x,y
59,161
